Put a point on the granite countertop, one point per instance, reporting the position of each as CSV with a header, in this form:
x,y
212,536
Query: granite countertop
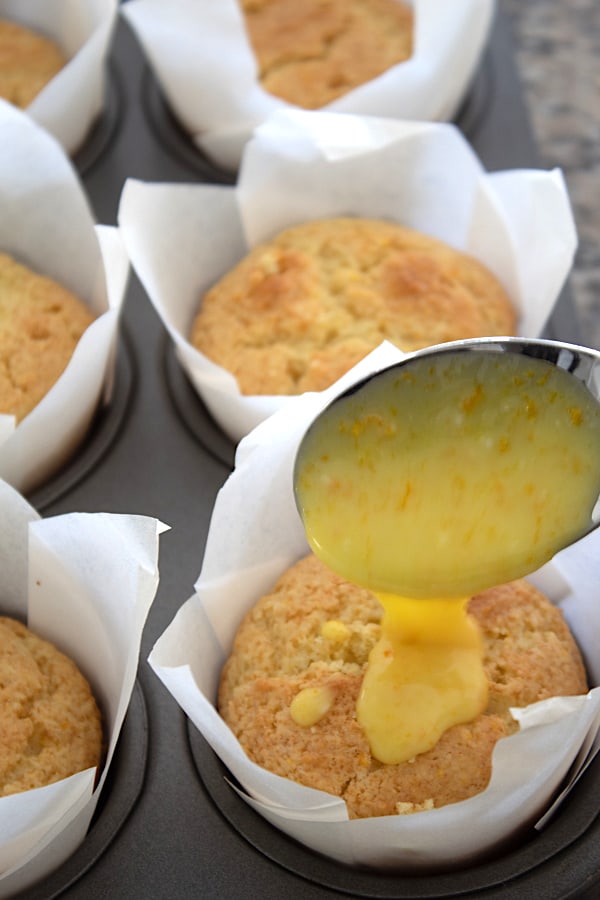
x,y
557,50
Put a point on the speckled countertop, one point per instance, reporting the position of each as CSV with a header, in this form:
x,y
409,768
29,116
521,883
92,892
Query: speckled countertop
x,y
557,50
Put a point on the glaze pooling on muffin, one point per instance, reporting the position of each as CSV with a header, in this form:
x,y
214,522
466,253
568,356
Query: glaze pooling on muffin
x,y
281,648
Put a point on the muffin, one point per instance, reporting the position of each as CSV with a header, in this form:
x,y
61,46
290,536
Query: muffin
x,y
28,61
313,52
402,60
301,309
315,630
51,725
40,325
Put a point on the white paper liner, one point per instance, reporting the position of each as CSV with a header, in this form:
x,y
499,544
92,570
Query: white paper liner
x,y
255,534
70,103
85,582
202,58
301,166
48,225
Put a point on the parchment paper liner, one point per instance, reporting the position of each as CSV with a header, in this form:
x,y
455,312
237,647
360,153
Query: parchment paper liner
x,y
84,581
206,67
255,534
301,166
71,101
47,224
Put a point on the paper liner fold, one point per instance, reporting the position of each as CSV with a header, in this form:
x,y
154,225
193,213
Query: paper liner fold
x,y
255,534
85,582
72,100
301,166
48,225
201,56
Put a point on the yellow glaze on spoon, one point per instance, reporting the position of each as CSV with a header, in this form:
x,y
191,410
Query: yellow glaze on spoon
x,y
428,483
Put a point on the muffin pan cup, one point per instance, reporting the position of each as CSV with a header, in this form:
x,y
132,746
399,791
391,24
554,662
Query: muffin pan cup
x,y
171,826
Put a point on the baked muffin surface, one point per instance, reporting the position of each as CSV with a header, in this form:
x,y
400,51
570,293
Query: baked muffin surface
x,y
40,325
301,309
312,52
50,723
315,630
27,63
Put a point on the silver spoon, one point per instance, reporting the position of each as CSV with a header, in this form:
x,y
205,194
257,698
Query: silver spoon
x,y
437,417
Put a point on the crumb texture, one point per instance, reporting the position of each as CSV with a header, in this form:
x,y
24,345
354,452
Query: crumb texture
x,y
300,310
314,630
312,52
28,61
51,726
40,325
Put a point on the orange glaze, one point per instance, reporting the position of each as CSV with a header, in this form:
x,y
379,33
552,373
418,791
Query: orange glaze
x,y
433,481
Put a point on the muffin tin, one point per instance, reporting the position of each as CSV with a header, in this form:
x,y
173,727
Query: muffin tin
x,y
169,824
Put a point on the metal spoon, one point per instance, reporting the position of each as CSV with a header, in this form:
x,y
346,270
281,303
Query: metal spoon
x,y
409,486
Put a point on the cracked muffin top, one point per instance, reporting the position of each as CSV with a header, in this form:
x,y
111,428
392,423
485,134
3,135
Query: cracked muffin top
x,y
300,310
312,52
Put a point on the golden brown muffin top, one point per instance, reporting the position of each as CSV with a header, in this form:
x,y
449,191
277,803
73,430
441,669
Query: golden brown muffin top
x,y
40,325
312,52
50,723
300,310
27,63
314,629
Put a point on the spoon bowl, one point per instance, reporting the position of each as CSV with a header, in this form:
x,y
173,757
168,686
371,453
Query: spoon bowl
x,y
583,363
461,466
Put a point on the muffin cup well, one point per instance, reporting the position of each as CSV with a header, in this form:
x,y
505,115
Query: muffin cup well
x,y
255,534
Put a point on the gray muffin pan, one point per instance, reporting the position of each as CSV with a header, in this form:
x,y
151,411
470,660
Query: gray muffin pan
x,y
169,825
